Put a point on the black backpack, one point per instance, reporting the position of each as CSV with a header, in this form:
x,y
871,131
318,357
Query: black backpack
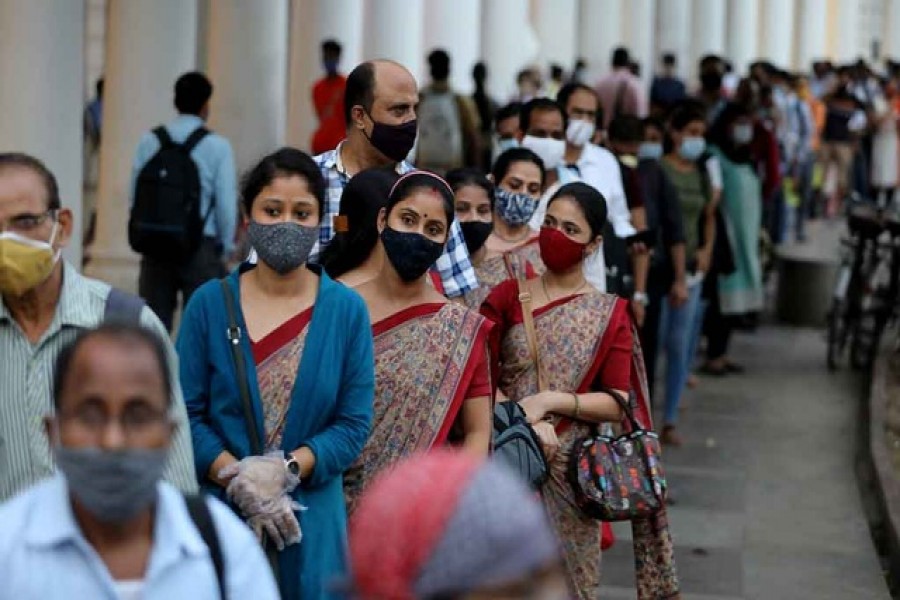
x,y
165,222
517,445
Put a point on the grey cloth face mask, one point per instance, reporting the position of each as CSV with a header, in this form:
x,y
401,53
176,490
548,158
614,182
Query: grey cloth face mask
x,y
282,246
113,485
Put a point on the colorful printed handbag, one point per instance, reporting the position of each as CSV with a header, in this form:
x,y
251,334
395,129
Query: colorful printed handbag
x,y
618,478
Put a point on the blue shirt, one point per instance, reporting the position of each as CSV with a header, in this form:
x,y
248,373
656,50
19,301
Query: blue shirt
x,y
215,161
44,554
454,266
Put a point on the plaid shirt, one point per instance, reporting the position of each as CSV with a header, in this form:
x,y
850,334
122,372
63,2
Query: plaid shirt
x,y
454,267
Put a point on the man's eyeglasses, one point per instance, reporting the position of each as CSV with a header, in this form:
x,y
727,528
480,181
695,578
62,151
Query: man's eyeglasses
x,y
135,420
26,223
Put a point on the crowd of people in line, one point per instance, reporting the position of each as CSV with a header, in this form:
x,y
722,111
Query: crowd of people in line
x,y
339,382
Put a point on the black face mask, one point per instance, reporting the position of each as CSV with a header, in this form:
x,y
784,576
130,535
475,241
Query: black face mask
x,y
411,254
394,141
711,82
476,234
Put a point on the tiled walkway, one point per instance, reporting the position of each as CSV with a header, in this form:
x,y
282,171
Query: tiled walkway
x,y
765,501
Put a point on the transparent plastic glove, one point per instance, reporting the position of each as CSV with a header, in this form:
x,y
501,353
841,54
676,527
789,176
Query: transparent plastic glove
x,y
280,524
259,483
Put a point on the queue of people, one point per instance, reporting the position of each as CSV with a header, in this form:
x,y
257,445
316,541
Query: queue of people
x,y
335,391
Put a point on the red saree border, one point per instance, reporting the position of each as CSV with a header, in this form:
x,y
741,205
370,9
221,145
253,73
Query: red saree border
x,y
402,316
281,335
477,355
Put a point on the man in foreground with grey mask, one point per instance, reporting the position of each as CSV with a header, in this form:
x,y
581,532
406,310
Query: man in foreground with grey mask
x,y
107,526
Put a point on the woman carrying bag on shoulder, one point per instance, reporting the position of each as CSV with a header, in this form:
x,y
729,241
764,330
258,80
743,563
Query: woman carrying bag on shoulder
x,y
588,356
278,375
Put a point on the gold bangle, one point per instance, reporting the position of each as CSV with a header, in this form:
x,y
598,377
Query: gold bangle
x,y
577,405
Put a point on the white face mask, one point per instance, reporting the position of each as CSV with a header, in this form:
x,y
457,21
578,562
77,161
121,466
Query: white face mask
x,y
502,145
551,151
580,132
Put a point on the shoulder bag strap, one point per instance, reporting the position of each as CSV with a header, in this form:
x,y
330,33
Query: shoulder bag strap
x,y
203,521
192,140
122,306
234,341
530,333
162,134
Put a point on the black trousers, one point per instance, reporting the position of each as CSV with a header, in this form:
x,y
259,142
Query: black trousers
x,y
160,282
658,286
718,328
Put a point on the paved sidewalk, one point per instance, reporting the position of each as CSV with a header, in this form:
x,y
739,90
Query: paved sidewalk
x,y
765,500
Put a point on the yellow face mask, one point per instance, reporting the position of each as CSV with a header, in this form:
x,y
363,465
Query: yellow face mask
x,y
25,263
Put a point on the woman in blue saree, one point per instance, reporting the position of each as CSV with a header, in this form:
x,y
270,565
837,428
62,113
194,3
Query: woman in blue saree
x,y
306,343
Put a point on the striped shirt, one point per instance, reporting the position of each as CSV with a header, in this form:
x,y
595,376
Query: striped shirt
x,y
454,266
26,387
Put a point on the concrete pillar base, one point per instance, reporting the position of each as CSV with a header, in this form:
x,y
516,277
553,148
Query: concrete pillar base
x,y
804,290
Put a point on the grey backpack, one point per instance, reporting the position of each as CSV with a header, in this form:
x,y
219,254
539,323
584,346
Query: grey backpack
x,y
517,445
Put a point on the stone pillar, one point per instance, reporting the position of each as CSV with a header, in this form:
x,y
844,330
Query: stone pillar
x,y
641,18
743,25
777,32
508,43
455,26
601,29
845,31
708,35
42,70
311,24
94,43
673,28
148,45
248,53
812,33
891,35
393,30
556,25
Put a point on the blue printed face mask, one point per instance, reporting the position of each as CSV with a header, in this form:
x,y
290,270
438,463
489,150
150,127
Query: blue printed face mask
x,y
650,150
514,209
692,148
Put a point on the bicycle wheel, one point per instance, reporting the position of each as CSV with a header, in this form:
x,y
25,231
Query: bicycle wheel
x,y
866,337
837,334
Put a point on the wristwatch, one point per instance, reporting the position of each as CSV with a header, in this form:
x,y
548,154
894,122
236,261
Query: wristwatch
x,y
291,464
641,297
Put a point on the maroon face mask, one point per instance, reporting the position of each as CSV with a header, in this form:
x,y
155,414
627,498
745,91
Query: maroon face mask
x,y
558,251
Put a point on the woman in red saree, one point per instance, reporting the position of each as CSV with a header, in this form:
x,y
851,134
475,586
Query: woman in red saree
x,y
431,368
587,344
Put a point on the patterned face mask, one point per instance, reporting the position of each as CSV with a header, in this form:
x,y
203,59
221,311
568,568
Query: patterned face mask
x,y
282,246
514,209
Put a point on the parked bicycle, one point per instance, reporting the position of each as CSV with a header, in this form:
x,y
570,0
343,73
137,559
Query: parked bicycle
x,y
866,292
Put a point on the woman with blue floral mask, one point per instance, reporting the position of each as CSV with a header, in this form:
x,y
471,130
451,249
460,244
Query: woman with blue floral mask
x,y
475,199
299,345
519,179
679,324
432,386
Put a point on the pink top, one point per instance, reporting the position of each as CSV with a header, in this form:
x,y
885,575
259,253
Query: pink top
x,y
634,97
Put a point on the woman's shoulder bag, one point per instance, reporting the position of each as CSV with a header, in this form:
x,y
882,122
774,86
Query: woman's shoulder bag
x,y
618,478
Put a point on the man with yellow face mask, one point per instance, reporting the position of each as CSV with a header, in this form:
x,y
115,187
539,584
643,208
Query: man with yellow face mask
x,y
45,303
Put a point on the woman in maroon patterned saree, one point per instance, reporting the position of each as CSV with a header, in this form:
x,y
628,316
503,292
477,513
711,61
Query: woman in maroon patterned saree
x,y
586,344
432,382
